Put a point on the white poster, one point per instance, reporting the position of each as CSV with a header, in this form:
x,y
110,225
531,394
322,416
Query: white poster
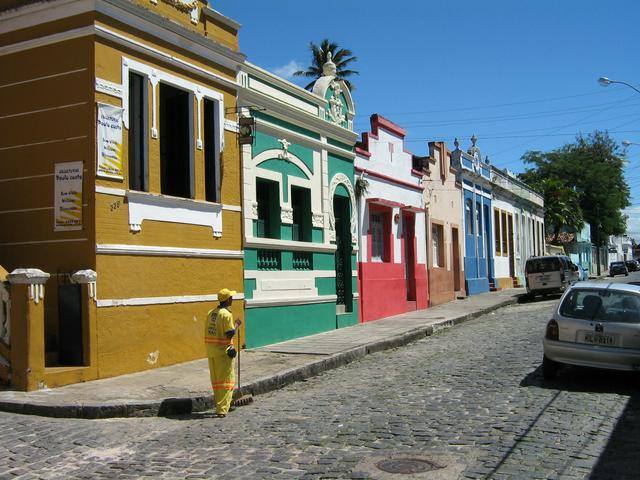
x,y
109,141
68,196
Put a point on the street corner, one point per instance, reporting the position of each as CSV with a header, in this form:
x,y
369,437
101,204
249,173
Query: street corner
x,y
415,464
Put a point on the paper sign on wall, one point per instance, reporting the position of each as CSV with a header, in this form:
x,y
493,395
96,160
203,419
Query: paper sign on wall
x,y
68,196
109,141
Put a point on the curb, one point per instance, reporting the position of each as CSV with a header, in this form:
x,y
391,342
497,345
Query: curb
x,y
188,405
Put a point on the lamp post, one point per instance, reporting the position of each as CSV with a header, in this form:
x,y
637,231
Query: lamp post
x,y
605,82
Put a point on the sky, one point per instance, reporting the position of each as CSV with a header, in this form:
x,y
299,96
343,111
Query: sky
x,y
520,75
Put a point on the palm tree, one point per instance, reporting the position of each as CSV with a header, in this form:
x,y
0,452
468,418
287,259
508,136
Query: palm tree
x,y
340,56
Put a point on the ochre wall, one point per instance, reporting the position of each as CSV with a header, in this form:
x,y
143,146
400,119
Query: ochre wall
x,y
132,336
35,137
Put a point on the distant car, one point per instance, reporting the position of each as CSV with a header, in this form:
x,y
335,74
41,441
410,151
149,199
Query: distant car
x,y
595,325
583,275
618,268
632,265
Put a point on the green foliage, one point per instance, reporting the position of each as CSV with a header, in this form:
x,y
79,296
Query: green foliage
x,y
581,181
342,57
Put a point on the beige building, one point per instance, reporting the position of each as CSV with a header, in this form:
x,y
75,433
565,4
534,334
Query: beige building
x,y
119,187
445,231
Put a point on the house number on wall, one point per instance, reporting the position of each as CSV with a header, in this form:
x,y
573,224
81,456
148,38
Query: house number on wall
x,y
115,205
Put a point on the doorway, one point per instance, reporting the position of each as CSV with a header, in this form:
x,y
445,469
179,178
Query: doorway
x,y
408,234
344,292
70,334
455,259
512,264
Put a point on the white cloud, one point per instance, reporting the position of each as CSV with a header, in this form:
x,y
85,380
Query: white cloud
x,y
633,222
287,70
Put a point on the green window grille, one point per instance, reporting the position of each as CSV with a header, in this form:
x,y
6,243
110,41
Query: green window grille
x,y
302,261
269,260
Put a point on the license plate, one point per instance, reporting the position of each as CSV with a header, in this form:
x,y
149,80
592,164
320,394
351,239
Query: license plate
x,y
598,339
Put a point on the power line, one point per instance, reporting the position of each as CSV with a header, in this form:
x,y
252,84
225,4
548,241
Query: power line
x,y
498,105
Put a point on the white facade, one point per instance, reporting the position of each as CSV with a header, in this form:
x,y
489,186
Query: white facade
x,y
388,172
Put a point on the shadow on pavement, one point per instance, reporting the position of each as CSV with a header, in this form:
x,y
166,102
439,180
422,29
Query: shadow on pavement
x,y
524,298
620,459
582,379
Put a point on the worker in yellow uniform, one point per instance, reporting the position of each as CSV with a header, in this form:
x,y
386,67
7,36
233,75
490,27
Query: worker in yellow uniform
x,y
218,338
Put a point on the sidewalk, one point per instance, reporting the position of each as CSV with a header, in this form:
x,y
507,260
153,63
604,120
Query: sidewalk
x,y
184,388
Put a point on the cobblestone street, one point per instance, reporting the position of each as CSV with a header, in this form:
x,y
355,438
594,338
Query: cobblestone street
x,y
471,399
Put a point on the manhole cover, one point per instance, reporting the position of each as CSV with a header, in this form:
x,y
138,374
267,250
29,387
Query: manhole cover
x,y
407,465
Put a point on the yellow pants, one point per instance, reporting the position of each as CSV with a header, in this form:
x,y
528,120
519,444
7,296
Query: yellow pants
x,y
222,377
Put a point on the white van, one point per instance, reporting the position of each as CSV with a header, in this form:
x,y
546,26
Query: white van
x,y
550,274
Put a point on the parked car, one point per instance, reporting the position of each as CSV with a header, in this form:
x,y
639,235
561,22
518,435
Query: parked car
x,y
549,274
632,265
595,325
618,268
583,275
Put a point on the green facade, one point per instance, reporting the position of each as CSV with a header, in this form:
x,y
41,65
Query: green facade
x,y
274,317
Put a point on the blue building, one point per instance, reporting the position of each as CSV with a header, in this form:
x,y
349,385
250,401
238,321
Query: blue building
x,y
475,176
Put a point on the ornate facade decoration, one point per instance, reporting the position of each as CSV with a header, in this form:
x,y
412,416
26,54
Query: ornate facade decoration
x,y
317,220
286,214
183,5
342,179
335,111
254,210
87,277
285,149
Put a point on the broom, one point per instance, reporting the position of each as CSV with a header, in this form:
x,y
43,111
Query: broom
x,y
243,399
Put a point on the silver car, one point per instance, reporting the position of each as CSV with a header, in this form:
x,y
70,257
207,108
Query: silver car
x,y
595,325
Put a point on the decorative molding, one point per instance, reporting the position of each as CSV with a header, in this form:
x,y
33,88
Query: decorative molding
x,y
86,277
275,244
162,251
34,278
141,301
47,40
286,215
317,220
254,210
121,192
291,274
274,302
342,179
171,209
284,155
109,88
334,110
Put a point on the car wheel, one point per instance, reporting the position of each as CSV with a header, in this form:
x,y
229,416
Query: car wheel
x,y
549,368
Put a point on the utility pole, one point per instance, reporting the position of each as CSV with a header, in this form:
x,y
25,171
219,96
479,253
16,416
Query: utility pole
x,y
598,238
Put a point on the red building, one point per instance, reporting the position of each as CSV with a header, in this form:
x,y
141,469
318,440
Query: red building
x,y
392,271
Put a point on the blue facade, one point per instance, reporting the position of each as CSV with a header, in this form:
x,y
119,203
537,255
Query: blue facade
x,y
475,177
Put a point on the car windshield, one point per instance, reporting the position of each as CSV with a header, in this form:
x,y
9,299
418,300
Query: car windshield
x,y
617,264
542,265
602,305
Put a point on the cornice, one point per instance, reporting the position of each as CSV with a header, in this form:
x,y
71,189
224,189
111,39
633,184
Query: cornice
x,y
286,85
283,111
217,16
128,13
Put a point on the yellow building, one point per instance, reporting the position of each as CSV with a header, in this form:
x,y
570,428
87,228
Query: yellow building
x,y
120,179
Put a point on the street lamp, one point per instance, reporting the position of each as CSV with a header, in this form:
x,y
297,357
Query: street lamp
x,y
605,82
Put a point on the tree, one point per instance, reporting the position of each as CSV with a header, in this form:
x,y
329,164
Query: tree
x,y
341,57
562,203
591,168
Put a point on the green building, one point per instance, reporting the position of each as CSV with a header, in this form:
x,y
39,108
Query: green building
x,y
300,237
